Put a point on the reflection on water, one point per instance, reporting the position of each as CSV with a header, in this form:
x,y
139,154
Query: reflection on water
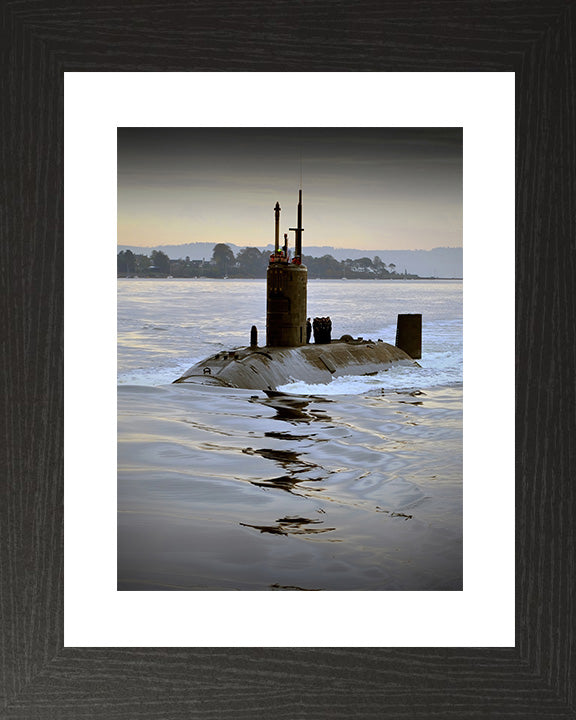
x,y
289,461
292,408
347,486
291,526
228,490
289,587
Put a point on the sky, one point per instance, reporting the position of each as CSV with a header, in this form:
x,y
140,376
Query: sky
x,y
364,188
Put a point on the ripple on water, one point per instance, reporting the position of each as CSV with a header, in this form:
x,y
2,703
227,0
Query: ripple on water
x,y
237,490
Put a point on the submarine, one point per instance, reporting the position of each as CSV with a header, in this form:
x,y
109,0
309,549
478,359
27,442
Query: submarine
x,y
290,354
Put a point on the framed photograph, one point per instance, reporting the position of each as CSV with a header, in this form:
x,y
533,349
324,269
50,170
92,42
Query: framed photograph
x,y
499,646
210,496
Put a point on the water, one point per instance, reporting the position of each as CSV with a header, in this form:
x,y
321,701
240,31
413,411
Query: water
x,y
353,485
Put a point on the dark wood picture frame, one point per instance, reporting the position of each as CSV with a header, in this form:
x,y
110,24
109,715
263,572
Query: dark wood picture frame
x,y
41,39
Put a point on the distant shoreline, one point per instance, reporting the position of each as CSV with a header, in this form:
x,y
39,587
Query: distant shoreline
x,y
242,277
325,261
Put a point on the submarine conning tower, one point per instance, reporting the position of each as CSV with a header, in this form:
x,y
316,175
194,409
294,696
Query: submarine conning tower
x,y
288,355
286,285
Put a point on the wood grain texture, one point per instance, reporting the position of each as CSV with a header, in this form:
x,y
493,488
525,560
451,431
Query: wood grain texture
x,y
43,38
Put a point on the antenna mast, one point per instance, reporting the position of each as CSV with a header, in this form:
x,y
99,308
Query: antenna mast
x,y
298,230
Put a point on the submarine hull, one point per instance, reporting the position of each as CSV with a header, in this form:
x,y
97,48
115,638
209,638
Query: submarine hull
x,y
265,368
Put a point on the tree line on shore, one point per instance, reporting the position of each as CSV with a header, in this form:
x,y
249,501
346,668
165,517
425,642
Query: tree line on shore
x,y
250,263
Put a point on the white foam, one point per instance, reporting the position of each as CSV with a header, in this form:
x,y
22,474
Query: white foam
x,y
153,376
396,378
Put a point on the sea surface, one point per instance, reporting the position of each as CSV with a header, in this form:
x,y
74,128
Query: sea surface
x,y
352,485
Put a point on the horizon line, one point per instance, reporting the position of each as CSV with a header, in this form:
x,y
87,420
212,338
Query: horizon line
x,y
333,247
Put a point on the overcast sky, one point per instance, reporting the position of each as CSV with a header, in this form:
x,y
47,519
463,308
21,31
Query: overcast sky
x,y
366,188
